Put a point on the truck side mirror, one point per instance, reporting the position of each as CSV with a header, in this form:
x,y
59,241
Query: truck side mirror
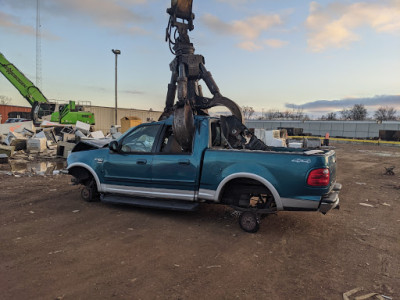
x,y
113,146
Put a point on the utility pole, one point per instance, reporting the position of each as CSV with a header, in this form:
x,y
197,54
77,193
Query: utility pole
x,y
116,52
38,47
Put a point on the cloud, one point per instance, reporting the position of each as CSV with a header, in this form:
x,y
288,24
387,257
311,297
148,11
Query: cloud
x,y
235,2
249,46
133,92
335,25
12,23
248,30
274,43
118,15
334,105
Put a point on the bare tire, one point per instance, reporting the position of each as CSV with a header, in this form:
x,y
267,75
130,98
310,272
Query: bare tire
x,y
89,192
249,222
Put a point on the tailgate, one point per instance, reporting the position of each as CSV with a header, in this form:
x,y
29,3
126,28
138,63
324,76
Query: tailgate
x,y
331,164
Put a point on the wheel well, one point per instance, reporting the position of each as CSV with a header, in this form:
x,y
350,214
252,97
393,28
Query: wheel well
x,y
240,191
82,175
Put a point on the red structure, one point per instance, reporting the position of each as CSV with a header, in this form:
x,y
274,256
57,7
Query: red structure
x,y
6,109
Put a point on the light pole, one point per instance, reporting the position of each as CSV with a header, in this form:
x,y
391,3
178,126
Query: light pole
x,y
116,52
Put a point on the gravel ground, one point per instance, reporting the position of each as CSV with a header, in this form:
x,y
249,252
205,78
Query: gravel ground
x,y
53,245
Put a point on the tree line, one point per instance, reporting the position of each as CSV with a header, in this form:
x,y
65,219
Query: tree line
x,y
357,113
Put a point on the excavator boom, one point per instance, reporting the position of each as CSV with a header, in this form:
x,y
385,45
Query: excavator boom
x,y
69,114
27,89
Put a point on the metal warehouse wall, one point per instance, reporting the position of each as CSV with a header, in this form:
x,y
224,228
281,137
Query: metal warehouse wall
x,y
5,109
104,116
347,129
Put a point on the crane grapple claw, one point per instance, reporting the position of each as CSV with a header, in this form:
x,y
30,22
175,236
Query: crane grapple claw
x,y
187,69
183,126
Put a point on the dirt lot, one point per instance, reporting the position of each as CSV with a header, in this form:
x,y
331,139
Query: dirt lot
x,y
55,246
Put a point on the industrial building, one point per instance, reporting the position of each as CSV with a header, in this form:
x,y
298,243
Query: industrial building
x,y
20,112
346,129
104,116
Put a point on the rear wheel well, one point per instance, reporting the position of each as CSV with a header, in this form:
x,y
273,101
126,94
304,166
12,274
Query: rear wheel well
x,y
246,192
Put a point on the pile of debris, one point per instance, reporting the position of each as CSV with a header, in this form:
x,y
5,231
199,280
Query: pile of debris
x,y
50,140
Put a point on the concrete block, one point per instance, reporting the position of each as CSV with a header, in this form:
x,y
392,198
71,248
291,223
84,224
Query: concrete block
x,y
85,128
7,150
64,148
3,158
40,135
36,144
19,144
97,134
16,127
12,136
295,145
68,137
312,143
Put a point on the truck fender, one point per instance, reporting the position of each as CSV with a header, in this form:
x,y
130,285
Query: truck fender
x,y
88,168
258,178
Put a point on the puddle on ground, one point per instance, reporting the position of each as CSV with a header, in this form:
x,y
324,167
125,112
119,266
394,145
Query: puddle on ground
x,y
36,168
381,153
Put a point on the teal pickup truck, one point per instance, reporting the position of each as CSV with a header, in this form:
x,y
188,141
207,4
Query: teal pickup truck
x,y
147,167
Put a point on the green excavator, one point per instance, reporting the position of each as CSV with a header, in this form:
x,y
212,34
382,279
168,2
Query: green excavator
x,y
41,107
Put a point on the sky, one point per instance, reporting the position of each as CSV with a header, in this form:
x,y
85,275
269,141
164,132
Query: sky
x,y
317,56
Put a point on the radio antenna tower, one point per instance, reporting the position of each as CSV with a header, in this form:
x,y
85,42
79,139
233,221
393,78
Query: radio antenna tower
x,y
38,47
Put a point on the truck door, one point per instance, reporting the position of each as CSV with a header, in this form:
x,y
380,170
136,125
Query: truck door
x,y
174,171
129,171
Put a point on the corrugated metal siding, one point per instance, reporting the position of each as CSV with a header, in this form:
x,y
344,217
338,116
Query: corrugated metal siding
x,y
5,109
104,116
347,129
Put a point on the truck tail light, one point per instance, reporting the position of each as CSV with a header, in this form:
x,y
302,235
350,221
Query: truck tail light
x,y
318,177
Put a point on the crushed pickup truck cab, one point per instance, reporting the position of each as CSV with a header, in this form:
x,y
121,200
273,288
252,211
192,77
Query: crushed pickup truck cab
x,y
147,167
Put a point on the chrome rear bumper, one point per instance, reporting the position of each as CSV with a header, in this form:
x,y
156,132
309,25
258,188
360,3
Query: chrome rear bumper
x,y
331,200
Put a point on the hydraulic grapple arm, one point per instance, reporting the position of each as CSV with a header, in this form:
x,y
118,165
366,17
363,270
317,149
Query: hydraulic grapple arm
x,y
187,69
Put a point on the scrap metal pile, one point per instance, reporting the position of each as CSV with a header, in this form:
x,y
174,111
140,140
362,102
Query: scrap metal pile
x,y
22,142
187,70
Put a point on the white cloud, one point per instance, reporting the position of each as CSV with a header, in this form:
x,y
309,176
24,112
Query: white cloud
x,y
118,14
274,43
249,46
248,30
14,24
235,2
335,25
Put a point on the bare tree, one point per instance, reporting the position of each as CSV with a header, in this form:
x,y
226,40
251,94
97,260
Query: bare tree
x,y
272,114
385,114
248,111
359,112
345,114
4,100
329,116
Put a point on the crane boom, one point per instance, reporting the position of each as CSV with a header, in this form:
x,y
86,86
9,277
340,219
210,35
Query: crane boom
x,y
41,107
26,88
